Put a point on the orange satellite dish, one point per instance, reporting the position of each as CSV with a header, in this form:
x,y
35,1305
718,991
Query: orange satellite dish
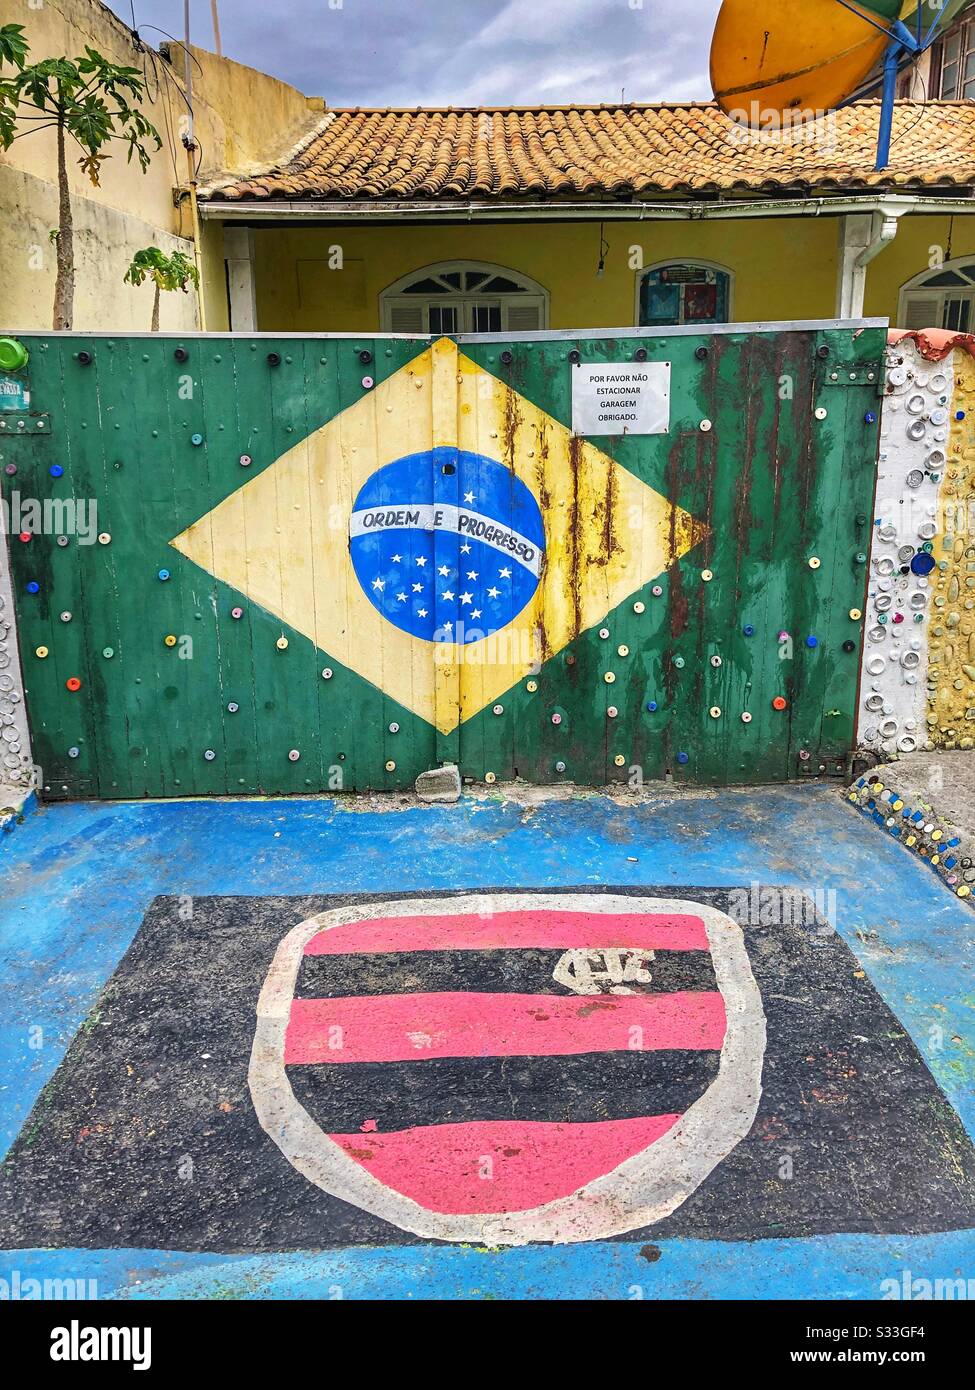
x,y
770,58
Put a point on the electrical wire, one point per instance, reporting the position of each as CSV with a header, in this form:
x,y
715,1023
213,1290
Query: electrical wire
x,y
164,70
916,65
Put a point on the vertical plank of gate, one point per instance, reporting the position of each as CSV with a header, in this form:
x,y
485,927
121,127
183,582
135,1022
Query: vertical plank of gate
x,y
637,737
680,719
37,615
404,426
147,608
225,538
33,619
331,698
738,387
601,506
475,410
365,704
847,473
817,506
847,583
121,762
150,609
295,723
60,719
350,708
372,440
196,485
567,678
292,382
269,672
94,590
761,474
448,669
519,438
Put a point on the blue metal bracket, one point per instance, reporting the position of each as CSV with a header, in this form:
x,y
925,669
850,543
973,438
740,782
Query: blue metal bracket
x,y
903,44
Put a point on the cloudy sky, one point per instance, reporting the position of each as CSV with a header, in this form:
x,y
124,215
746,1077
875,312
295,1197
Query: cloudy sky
x,y
457,52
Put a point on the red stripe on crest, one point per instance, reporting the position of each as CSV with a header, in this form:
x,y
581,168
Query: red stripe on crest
x,y
514,930
499,1166
412,1027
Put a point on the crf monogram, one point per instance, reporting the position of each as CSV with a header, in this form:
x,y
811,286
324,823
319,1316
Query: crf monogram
x,y
609,971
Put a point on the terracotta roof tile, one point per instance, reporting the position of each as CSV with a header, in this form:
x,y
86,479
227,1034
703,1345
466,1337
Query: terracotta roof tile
x,y
607,151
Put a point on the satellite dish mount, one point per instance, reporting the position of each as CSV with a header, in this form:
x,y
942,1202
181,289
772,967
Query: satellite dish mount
x,y
904,45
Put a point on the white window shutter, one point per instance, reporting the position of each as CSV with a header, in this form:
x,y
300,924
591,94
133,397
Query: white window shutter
x,y
404,316
525,315
922,310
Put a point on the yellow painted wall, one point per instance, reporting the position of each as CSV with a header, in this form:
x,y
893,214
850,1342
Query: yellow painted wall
x,y
784,268
562,257
911,253
243,118
951,672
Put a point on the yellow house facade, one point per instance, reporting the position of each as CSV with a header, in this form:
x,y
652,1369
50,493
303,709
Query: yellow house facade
x,y
575,218
311,219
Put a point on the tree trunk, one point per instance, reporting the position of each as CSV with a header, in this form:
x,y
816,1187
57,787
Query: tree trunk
x,y
64,284
154,326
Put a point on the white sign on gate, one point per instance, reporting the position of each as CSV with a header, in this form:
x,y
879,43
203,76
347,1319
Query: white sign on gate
x,y
611,398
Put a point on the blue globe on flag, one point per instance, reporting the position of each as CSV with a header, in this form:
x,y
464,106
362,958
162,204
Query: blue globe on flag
x,y
447,545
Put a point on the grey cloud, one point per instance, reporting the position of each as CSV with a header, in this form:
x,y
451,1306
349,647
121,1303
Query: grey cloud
x,y
460,52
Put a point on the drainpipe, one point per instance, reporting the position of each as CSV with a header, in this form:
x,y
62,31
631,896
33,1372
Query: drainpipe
x,y
856,254
189,142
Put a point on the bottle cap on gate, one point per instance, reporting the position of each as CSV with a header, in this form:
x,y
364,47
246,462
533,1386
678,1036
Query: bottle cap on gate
x,y
13,355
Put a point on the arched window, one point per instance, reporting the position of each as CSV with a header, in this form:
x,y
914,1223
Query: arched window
x,y
464,297
941,298
684,292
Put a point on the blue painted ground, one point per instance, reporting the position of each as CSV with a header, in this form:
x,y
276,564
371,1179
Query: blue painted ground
x,y
78,878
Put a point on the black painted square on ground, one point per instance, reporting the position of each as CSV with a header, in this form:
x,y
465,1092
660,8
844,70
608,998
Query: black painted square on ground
x,y
146,1137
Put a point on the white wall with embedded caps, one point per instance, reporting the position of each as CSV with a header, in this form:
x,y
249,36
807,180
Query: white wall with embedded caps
x,y
905,600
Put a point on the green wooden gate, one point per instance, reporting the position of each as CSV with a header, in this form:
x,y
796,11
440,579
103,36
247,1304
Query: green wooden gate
x,y
258,564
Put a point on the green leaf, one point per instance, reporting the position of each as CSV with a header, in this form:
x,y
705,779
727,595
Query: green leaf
x,y
174,272
78,93
13,46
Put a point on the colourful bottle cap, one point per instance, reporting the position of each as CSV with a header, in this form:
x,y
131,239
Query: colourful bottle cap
x,y
13,355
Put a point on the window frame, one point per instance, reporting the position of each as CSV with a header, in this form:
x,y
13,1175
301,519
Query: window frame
x,y
531,291
682,260
964,31
916,286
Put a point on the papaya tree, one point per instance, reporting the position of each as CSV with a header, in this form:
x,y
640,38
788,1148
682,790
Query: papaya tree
x,y
88,102
175,272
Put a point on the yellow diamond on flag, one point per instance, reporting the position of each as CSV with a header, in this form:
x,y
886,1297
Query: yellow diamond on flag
x,y
442,537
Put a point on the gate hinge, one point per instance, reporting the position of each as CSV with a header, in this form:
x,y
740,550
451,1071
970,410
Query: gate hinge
x,y
824,767
855,374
